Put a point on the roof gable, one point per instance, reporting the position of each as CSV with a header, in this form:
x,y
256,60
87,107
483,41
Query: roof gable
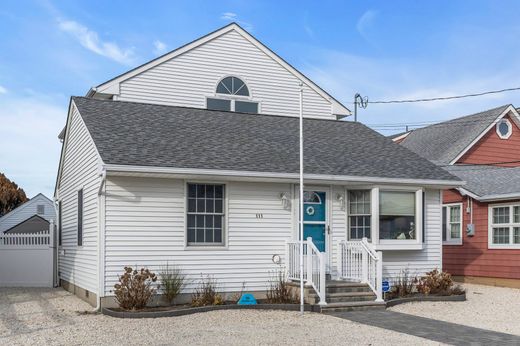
x,y
193,138
25,211
112,86
444,143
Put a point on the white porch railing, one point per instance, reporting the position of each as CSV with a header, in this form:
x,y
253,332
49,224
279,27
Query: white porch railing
x,y
25,239
313,266
360,262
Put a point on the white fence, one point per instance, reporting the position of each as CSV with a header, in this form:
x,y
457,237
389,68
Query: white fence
x,y
27,260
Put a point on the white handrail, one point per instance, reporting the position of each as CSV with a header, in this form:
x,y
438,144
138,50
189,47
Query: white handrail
x,y
361,262
314,266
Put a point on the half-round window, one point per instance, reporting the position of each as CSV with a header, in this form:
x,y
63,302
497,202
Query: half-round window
x,y
232,86
311,197
504,129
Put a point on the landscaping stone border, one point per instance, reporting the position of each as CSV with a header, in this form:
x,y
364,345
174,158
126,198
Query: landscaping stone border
x,y
189,311
454,298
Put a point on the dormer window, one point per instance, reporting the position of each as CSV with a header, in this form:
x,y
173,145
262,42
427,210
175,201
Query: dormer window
x,y
504,129
232,94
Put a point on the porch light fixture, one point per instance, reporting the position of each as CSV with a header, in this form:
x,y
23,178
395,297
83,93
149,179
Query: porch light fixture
x,y
286,201
341,199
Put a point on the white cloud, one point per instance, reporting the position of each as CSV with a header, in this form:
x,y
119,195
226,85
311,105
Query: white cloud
x,y
365,22
3,90
90,40
30,140
229,16
233,17
160,47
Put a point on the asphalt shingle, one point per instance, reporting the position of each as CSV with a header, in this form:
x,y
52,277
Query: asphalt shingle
x,y
128,133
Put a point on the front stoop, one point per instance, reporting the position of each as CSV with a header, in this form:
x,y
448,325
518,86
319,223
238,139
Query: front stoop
x,y
345,296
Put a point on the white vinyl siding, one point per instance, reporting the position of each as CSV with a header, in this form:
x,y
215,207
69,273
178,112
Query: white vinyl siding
x,y
26,211
418,262
145,226
81,162
189,78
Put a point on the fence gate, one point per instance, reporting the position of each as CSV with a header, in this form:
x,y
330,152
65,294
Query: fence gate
x,y
28,260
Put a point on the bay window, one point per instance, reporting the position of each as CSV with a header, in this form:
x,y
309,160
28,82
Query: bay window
x,y
504,227
390,218
452,224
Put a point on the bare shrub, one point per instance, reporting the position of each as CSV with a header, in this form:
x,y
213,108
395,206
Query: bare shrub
x,y
206,293
279,291
235,297
404,285
173,281
134,289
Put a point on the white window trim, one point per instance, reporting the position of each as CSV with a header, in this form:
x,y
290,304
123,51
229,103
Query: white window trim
x,y
509,132
225,228
449,240
347,212
232,99
509,225
393,244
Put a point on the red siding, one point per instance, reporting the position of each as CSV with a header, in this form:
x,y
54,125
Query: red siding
x,y
491,149
473,258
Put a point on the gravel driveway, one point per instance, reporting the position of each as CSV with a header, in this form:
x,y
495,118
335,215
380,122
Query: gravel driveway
x,y
487,307
53,316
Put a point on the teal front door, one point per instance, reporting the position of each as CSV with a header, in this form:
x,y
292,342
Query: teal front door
x,y
314,218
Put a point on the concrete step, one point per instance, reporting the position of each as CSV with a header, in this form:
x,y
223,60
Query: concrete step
x,y
352,306
350,297
344,286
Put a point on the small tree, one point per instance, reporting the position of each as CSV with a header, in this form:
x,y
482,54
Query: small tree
x,y
11,196
173,281
134,289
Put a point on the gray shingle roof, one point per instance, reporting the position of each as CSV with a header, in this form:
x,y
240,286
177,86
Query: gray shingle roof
x,y
442,142
488,180
128,133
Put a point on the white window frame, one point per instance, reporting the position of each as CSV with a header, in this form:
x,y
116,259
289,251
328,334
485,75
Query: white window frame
x,y
209,246
234,98
509,132
509,225
449,240
347,208
392,244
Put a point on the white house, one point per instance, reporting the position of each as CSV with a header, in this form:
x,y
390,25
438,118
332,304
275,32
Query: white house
x,y
192,158
29,217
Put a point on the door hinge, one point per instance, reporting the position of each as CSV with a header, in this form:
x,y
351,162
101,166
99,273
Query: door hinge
x,y
328,229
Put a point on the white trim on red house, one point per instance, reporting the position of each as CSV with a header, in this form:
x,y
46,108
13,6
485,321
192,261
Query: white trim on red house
x,y
111,87
515,117
511,225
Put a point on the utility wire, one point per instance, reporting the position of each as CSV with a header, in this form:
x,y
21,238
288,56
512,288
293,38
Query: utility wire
x,y
447,97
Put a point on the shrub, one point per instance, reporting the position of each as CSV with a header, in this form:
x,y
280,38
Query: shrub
x,y
235,297
403,287
437,282
279,292
173,281
206,293
134,289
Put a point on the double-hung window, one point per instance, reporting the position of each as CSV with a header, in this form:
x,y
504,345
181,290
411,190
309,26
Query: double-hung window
x,y
359,214
504,227
452,224
205,214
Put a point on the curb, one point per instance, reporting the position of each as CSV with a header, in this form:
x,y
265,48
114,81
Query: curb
x,y
189,311
455,298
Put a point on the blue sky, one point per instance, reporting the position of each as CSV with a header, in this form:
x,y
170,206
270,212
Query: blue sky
x,y
50,50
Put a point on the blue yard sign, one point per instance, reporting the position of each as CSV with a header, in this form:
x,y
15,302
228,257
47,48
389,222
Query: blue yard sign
x,y
247,299
385,286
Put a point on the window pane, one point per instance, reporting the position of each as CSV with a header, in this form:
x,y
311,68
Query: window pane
x,y
359,227
192,190
218,221
192,205
455,214
201,206
516,214
225,86
455,231
397,203
359,202
218,104
209,235
209,205
200,235
218,235
501,235
219,191
218,206
501,215
191,235
246,107
397,227
516,235
191,221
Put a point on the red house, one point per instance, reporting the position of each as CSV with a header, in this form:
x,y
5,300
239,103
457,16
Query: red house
x,y
481,228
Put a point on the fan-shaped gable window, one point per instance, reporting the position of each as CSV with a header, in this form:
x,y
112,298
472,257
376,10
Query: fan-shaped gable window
x,y
232,86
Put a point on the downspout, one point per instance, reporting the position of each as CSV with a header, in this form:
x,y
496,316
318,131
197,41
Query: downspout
x,y
101,234
55,278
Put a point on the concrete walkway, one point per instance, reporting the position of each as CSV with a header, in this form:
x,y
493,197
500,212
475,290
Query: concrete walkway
x,y
435,330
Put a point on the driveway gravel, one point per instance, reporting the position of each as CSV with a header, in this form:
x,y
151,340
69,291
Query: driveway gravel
x,y
486,307
54,316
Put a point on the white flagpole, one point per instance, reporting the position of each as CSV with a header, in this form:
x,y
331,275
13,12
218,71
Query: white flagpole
x,y
301,200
